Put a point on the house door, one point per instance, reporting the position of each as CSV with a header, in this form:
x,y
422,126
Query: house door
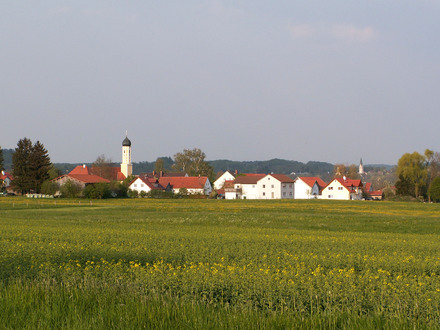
x,y
273,195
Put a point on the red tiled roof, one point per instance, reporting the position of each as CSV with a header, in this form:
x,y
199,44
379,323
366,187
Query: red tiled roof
x,y
367,186
188,182
249,178
376,193
152,183
349,182
81,169
282,178
310,181
87,178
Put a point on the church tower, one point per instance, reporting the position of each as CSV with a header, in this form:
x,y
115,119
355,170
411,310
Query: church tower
x,y
361,168
126,166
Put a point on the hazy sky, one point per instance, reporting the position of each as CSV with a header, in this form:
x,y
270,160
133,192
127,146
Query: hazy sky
x,y
242,80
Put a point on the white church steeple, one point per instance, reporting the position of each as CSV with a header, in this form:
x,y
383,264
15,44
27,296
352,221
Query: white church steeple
x,y
126,166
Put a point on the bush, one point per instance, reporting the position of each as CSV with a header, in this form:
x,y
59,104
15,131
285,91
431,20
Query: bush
x,y
70,189
133,193
49,188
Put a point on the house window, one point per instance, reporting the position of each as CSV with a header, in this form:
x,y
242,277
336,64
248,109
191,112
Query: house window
x,y
253,186
142,185
290,194
330,196
264,194
264,186
290,186
135,185
330,188
268,178
284,193
272,186
340,188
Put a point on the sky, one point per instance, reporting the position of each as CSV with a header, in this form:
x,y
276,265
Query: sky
x,y
313,80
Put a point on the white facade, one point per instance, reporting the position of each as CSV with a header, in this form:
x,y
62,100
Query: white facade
x,y
303,190
227,176
270,187
336,190
246,191
139,185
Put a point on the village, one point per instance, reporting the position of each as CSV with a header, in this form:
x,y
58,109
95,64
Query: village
x,y
227,185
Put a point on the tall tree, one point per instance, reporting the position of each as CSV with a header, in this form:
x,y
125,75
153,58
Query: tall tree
x,y
159,166
102,167
193,163
41,165
31,165
22,167
412,171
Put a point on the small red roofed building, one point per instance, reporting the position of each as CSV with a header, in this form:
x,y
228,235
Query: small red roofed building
x,y
308,187
6,179
343,189
192,184
146,184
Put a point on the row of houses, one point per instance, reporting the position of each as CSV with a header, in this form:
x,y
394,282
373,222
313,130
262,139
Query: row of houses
x,y
82,176
279,186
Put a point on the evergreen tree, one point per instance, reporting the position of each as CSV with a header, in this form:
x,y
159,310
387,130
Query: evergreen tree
x,y
21,166
31,165
41,165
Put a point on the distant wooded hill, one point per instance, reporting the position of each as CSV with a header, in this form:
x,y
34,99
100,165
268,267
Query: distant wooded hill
x,y
312,168
266,166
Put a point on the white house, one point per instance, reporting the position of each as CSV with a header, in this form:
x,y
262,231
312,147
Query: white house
x,y
6,179
275,186
220,181
308,187
246,186
343,189
143,183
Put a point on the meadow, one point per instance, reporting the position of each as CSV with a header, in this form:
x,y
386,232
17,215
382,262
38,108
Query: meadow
x,y
201,264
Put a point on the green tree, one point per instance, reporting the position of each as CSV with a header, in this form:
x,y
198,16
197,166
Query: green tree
x,y
159,165
22,168
30,166
40,164
193,163
412,171
434,190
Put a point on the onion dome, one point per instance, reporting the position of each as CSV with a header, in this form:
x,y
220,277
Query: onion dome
x,y
126,142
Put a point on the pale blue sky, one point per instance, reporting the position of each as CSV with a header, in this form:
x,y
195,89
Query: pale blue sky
x,y
242,80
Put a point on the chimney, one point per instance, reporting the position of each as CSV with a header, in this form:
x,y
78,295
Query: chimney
x,y
236,172
84,165
161,174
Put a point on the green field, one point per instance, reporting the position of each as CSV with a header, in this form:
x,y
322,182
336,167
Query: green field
x,y
201,264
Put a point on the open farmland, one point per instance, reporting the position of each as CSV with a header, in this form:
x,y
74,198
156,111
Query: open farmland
x,y
218,264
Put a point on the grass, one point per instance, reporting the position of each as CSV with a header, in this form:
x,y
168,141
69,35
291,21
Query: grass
x,y
218,264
